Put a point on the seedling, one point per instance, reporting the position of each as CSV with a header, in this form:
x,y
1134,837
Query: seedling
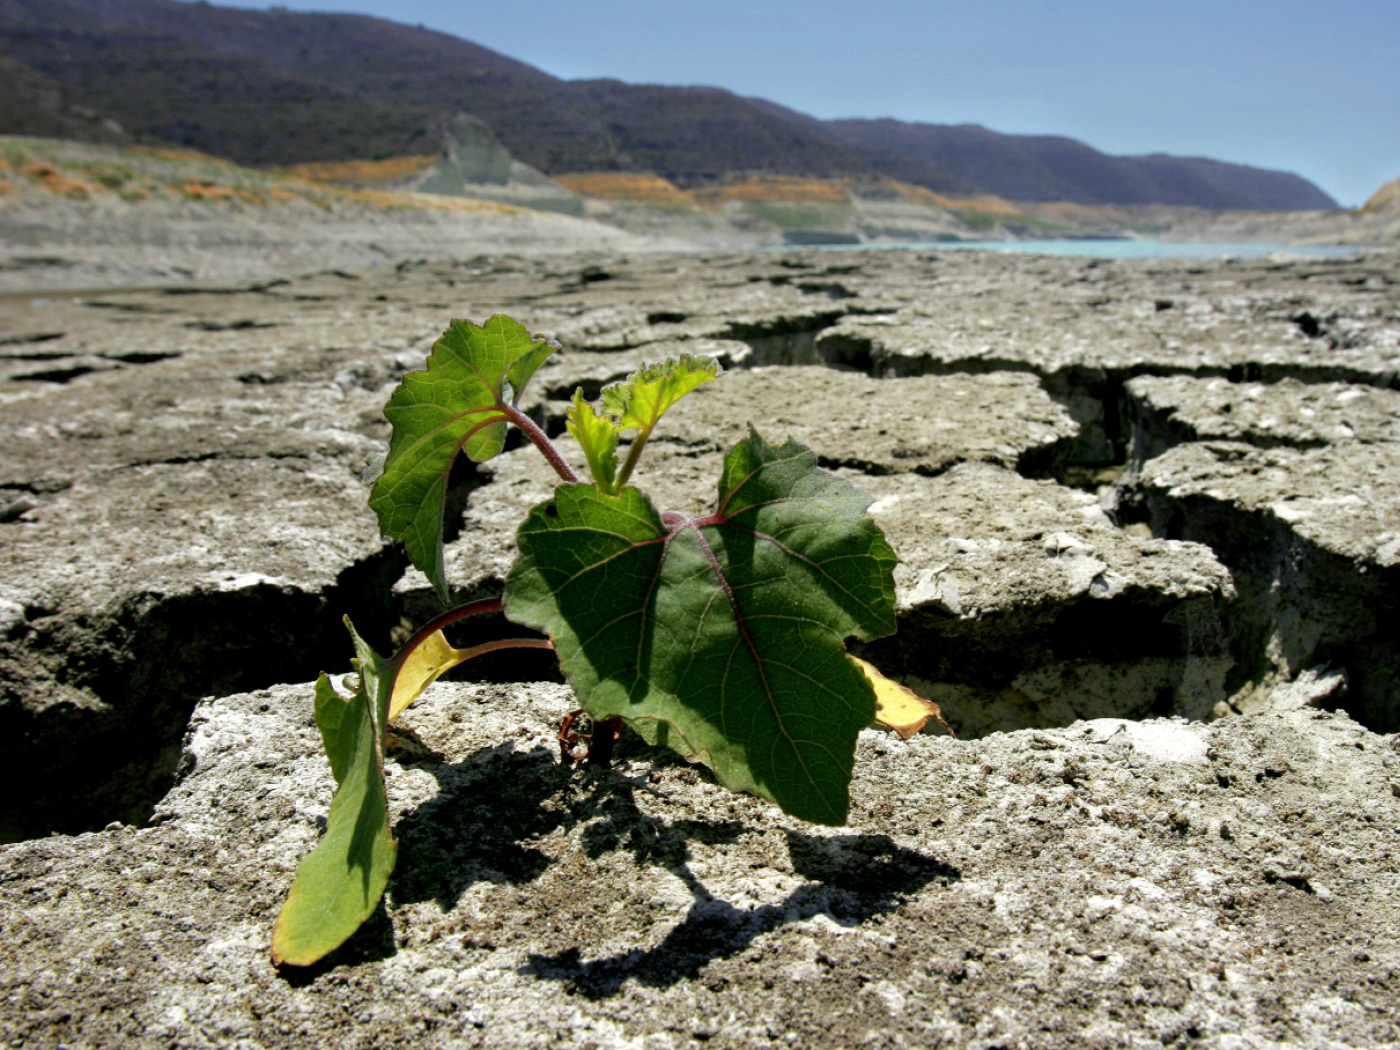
x,y
721,636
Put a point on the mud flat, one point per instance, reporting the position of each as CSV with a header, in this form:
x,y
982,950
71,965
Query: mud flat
x,y
1149,528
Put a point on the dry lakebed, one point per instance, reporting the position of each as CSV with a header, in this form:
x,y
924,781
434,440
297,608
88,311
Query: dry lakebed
x,y
1148,517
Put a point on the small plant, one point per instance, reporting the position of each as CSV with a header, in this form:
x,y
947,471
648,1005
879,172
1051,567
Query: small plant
x,y
721,636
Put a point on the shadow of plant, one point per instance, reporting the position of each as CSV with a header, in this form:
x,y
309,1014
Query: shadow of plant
x,y
856,877
615,822
496,802
491,805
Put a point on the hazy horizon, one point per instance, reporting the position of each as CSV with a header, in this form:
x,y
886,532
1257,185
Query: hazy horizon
x,y
1284,85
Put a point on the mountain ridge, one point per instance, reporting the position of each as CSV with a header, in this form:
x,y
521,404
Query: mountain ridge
x,y
1055,167
282,87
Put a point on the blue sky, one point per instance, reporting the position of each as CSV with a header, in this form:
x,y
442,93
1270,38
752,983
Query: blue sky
x,y
1309,87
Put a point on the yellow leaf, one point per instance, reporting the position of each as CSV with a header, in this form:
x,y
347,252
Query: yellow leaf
x,y
422,668
900,708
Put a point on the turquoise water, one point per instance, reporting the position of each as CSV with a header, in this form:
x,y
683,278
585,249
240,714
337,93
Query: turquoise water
x,y
1124,249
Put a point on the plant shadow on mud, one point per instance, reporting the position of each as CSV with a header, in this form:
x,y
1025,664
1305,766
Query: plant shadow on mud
x,y
855,877
495,803
480,825
852,877
492,805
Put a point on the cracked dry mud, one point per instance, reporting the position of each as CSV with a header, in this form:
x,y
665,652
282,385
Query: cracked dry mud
x,y
1120,490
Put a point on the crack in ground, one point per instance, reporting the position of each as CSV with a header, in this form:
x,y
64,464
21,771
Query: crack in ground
x,y
149,662
124,684
1260,621
1299,605
1094,396
784,341
93,707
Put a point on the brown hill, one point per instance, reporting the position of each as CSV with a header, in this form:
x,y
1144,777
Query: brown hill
x,y
696,136
901,165
167,90
687,135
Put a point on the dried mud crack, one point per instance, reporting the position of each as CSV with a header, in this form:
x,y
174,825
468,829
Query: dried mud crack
x,y
1021,603
1129,499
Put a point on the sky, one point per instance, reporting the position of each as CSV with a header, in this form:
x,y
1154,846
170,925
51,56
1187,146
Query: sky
x,y
1297,85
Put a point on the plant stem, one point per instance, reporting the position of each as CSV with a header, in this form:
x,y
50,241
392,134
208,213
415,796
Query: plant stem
x,y
461,612
600,748
505,643
438,622
633,454
541,442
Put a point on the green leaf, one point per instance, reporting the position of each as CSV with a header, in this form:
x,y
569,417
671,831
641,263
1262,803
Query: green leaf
x,y
724,635
641,399
338,719
455,405
597,435
339,884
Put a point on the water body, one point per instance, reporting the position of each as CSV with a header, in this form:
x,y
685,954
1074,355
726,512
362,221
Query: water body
x,y
1115,249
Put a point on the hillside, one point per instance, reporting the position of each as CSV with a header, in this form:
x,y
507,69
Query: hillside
x,y
33,104
901,165
1051,168
162,89
371,70
280,87
90,216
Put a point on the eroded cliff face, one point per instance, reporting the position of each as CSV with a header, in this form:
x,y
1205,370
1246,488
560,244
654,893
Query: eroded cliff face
x,y
1131,500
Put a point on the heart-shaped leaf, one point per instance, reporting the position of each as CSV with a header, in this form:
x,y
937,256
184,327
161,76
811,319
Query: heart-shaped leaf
x,y
723,636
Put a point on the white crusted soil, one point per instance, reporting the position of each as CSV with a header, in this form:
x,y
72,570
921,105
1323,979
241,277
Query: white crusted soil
x,y
1101,885
180,517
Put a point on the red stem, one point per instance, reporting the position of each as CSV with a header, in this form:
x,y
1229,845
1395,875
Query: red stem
x,y
437,623
476,608
541,442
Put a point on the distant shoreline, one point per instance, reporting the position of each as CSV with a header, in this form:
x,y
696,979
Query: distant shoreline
x,y
1109,248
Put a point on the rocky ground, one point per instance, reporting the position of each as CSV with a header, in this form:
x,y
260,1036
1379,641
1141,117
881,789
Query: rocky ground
x,y
1149,529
